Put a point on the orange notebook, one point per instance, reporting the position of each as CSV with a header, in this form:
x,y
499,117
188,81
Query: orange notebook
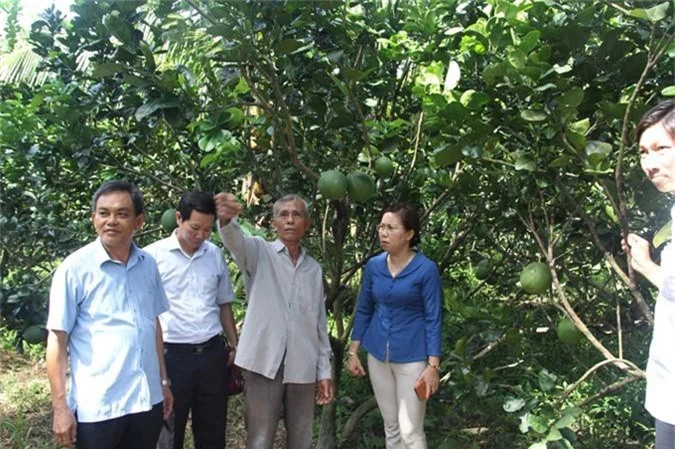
x,y
421,391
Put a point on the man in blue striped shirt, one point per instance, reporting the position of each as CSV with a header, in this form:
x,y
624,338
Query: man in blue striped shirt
x,y
103,307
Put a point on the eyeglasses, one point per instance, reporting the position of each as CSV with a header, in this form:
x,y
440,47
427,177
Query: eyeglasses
x,y
388,228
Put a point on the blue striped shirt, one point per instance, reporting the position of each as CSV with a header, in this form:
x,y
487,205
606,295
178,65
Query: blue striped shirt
x,y
109,311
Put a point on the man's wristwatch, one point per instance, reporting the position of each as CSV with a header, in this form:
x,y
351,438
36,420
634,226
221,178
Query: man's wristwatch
x,y
437,367
166,382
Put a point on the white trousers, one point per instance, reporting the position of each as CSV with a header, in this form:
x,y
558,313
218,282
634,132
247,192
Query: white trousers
x,y
402,412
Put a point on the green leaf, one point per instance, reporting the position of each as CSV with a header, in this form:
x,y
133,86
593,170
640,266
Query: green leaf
x,y
219,30
513,404
580,127
654,14
516,57
554,435
572,97
339,84
288,46
538,445
560,161
663,235
530,41
565,421
107,69
447,155
533,116
473,100
149,108
546,380
119,28
668,91
595,147
523,163
578,141
356,75
537,423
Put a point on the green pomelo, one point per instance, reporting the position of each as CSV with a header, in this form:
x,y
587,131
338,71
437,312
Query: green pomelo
x,y
482,270
360,186
384,166
332,184
568,333
168,220
536,278
34,334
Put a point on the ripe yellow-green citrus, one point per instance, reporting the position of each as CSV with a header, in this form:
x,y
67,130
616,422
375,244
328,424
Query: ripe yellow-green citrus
x,y
384,166
536,278
360,186
482,269
332,184
168,220
568,333
34,334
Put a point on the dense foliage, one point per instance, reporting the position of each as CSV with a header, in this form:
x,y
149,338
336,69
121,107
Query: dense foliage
x,y
508,123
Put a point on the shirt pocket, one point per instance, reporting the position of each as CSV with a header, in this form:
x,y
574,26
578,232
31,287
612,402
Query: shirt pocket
x,y
207,287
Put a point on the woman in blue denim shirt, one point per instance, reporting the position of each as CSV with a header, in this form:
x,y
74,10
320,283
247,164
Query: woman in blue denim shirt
x,y
656,136
398,323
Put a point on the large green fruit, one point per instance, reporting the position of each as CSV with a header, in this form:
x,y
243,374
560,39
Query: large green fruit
x,y
360,186
332,184
34,334
536,278
568,333
483,269
168,220
384,166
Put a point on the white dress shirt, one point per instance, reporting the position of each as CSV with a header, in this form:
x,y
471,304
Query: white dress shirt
x,y
660,400
196,287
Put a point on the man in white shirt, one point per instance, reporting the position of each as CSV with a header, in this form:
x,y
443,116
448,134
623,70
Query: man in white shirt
x,y
284,347
197,283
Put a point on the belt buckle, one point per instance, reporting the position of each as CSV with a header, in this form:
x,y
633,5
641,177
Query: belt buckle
x,y
199,349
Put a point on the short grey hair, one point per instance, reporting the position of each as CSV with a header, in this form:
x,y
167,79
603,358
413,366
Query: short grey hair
x,y
286,199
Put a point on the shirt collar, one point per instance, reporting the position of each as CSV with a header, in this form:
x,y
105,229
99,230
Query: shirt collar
x,y
101,256
279,246
174,245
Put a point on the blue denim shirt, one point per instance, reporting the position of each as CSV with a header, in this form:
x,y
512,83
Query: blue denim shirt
x,y
109,311
399,319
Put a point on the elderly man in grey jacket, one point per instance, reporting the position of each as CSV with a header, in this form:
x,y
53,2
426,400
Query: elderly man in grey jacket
x,y
284,347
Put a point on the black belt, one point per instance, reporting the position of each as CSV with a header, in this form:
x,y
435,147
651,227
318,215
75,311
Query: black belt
x,y
194,348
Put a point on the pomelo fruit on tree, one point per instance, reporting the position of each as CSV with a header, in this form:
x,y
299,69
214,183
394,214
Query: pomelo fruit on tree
x,y
332,184
34,334
384,166
536,278
482,270
360,186
568,333
168,220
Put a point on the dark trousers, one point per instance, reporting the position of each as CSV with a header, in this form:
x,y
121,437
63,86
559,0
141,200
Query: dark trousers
x,y
134,431
665,435
198,376
264,400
